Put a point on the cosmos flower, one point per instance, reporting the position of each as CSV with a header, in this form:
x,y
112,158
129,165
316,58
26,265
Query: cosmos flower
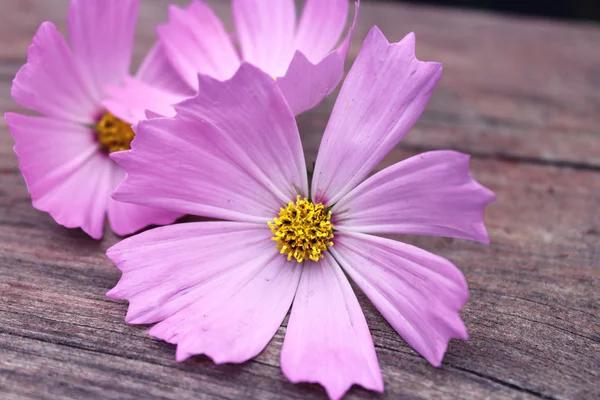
x,y
233,152
63,154
301,56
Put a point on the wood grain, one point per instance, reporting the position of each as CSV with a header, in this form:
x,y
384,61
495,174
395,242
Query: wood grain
x,y
521,95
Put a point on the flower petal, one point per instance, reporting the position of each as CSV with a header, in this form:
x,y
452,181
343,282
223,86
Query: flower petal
x,y
130,101
126,219
157,71
429,194
266,32
417,292
382,97
218,288
232,152
50,82
160,263
305,84
66,175
320,27
80,200
327,340
101,33
49,150
196,42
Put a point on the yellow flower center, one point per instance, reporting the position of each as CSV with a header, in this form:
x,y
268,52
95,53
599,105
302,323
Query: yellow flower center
x,y
114,134
303,230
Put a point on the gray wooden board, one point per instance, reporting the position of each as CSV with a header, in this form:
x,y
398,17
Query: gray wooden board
x,y
521,95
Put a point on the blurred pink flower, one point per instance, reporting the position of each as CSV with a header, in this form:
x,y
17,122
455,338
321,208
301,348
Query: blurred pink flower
x,y
233,152
63,154
300,55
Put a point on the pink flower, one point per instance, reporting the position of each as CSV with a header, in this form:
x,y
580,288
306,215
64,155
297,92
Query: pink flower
x,y
63,154
302,57
233,152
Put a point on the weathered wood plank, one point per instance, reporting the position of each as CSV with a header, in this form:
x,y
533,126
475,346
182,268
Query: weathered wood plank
x,y
525,89
529,89
533,313
510,87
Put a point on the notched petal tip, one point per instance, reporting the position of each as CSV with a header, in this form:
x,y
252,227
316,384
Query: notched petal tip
x,y
181,14
336,390
376,35
113,294
436,356
49,83
118,194
181,355
486,197
394,110
122,157
116,251
407,43
318,80
10,118
451,202
152,115
425,312
410,40
175,11
339,392
436,359
327,339
245,73
132,317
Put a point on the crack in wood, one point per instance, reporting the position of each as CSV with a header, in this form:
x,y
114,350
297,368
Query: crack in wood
x,y
552,326
549,305
503,383
506,157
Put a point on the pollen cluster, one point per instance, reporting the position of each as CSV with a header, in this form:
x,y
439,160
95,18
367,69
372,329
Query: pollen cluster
x,y
303,230
114,134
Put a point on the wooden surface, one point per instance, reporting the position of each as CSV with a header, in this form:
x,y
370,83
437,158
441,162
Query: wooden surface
x,y
523,96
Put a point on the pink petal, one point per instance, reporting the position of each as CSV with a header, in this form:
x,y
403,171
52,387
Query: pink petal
x,y
160,263
50,82
417,292
218,288
66,175
429,194
382,97
131,100
126,219
266,32
232,152
101,33
320,27
80,200
327,340
49,150
196,42
156,70
305,84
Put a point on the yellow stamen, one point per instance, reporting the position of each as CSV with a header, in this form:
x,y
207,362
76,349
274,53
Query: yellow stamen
x,y
114,134
303,230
